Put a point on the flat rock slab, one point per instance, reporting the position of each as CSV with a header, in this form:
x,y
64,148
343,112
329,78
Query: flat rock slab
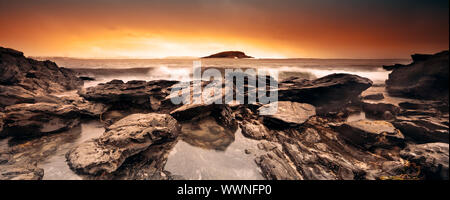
x,y
33,119
369,133
288,113
125,138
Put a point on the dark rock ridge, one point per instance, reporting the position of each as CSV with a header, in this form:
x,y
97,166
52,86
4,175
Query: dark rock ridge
x,y
25,120
425,78
229,54
327,93
141,94
125,138
369,133
28,78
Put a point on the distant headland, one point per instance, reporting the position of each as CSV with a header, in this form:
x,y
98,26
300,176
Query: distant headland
x,y
229,54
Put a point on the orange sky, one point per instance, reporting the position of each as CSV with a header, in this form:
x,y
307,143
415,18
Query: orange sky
x,y
261,28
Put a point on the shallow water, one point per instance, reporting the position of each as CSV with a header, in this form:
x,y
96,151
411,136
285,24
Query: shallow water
x,y
213,155
55,166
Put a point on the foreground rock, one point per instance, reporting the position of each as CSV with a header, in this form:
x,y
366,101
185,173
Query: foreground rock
x,y
328,93
431,157
316,152
425,78
23,120
371,133
255,130
2,117
124,139
288,113
229,54
22,79
13,172
423,129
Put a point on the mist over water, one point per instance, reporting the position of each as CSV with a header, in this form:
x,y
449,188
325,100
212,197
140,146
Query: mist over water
x,y
181,69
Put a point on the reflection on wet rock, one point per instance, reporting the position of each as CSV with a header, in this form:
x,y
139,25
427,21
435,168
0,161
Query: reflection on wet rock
x,y
208,134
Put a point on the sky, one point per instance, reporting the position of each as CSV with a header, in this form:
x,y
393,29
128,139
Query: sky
x,y
261,28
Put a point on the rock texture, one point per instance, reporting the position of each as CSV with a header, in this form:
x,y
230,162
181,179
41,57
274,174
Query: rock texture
x,y
289,113
317,152
125,138
431,157
12,172
141,94
329,92
22,79
371,133
229,54
24,120
425,78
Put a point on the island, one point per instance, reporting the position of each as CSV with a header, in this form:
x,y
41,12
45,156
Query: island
x,y
229,54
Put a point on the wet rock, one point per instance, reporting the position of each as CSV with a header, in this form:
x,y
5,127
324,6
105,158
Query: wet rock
x,y
423,129
22,120
125,138
431,157
131,94
378,110
10,95
329,92
288,114
425,78
255,130
275,166
13,172
314,164
207,133
371,133
146,165
85,108
377,96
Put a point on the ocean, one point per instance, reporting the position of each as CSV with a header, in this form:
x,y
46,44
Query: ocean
x,y
181,69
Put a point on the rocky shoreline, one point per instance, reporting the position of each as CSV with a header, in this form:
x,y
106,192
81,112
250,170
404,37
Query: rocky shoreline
x,y
405,134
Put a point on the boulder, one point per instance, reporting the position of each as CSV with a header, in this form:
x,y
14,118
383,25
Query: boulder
x,y
125,138
140,94
255,130
329,92
288,114
368,133
425,78
23,120
432,158
85,107
378,110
